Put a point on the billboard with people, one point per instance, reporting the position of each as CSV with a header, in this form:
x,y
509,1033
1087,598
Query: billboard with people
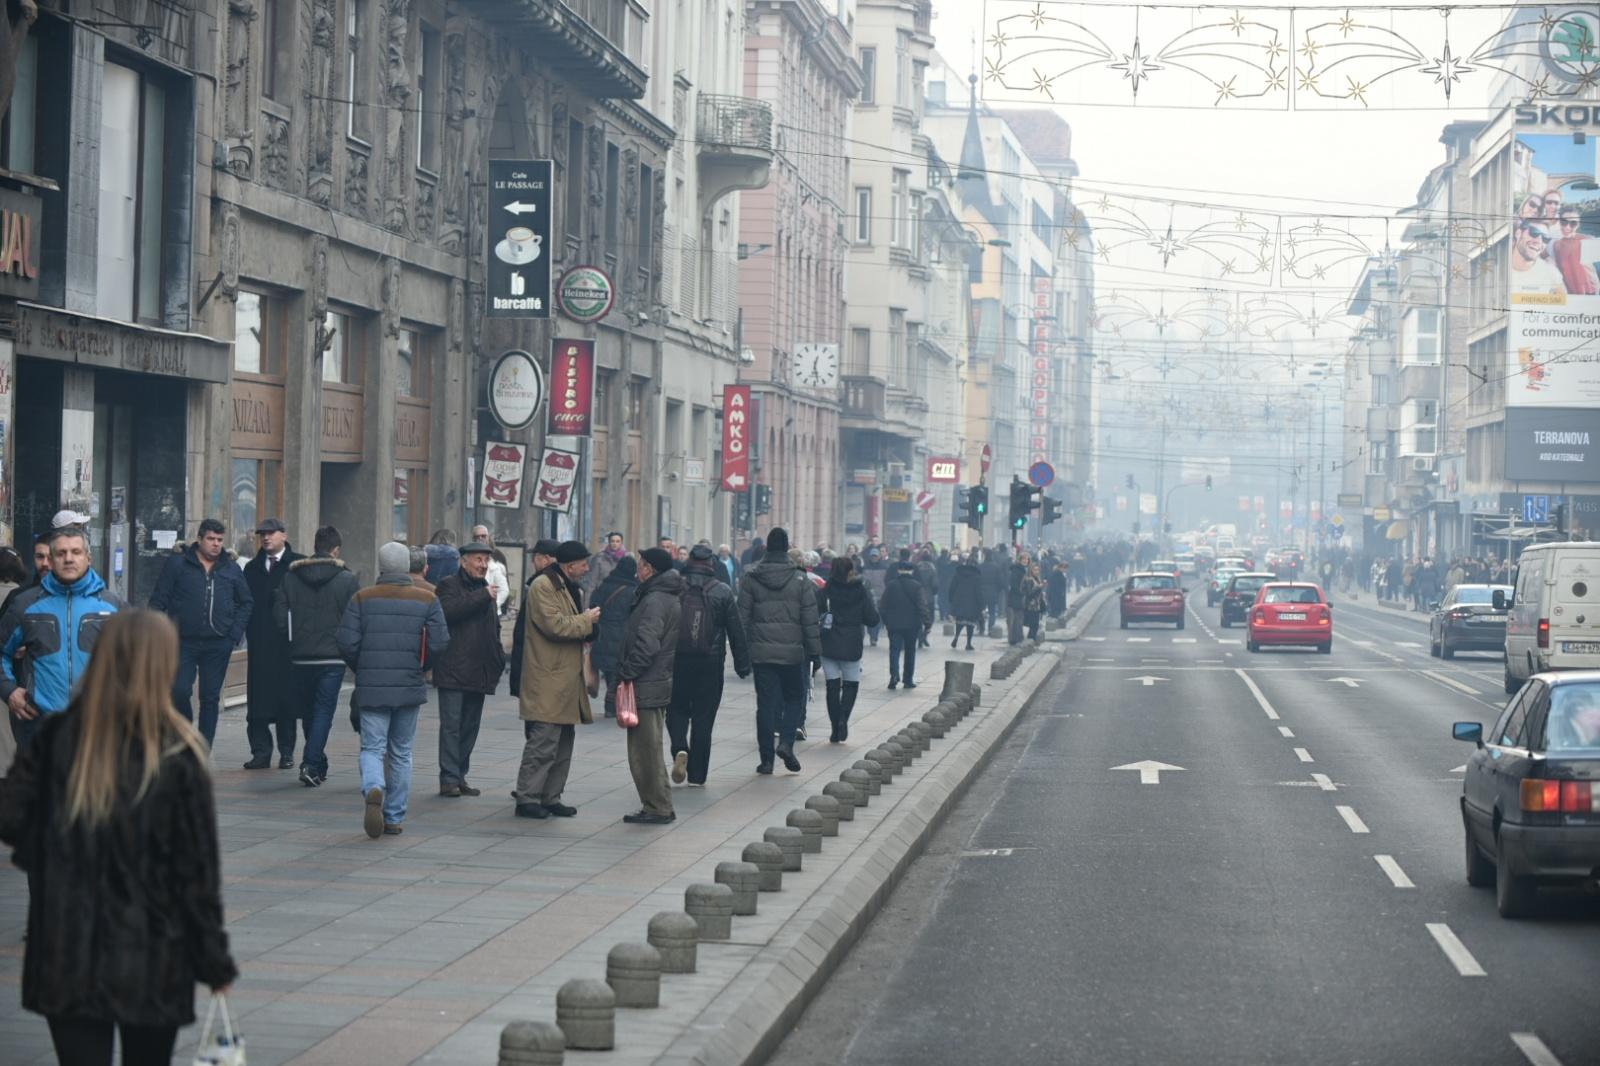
x,y
1553,360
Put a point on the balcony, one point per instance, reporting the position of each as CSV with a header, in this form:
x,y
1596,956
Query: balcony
x,y
865,399
592,42
1380,421
735,145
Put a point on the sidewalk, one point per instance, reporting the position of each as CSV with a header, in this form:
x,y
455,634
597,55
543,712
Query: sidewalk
x,y
422,947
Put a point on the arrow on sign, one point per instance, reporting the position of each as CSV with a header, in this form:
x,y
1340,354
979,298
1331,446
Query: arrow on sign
x,y
1147,680
1149,772
734,481
517,207
1348,682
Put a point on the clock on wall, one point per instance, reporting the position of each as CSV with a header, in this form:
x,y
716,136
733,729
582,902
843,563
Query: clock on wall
x,y
816,366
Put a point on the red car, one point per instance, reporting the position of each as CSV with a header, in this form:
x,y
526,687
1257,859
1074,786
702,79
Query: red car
x,y
1152,597
1290,613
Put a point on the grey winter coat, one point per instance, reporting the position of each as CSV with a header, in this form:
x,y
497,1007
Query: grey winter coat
x,y
778,607
650,642
381,638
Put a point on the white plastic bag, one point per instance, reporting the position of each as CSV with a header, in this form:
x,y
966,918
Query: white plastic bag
x,y
219,1049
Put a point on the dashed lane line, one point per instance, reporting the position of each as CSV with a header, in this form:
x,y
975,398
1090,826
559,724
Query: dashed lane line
x,y
1534,1050
1352,819
1396,875
1303,755
1285,732
1257,693
1455,950
1434,675
1325,782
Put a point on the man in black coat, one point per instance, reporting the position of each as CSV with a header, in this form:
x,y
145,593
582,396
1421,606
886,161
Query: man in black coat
x,y
928,574
649,651
697,673
307,609
269,679
1014,620
469,669
907,614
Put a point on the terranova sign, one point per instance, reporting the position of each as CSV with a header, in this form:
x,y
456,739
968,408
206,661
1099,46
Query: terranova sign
x,y
586,294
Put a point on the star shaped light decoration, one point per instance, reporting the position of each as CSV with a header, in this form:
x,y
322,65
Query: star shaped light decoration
x,y
1547,21
1347,25
1041,83
1539,88
1227,267
1274,49
1225,89
999,40
1237,24
1309,49
1308,82
1240,222
1136,67
1447,70
1358,92
1275,80
1104,203
992,70
1167,245
1037,16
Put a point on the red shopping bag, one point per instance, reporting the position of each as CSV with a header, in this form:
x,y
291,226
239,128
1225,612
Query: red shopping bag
x,y
627,705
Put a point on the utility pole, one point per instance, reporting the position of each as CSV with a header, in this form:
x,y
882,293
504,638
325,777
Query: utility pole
x,y
1161,480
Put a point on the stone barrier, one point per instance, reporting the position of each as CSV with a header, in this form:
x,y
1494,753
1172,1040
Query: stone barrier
x,y
634,973
745,880
874,774
886,760
937,723
586,1011
676,937
793,843
957,678
828,808
768,858
532,1044
711,907
861,781
809,823
847,795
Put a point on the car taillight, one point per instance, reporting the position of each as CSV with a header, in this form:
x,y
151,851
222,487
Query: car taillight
x,y
1458,613
1261,616
1544,632
1322,617
1560,797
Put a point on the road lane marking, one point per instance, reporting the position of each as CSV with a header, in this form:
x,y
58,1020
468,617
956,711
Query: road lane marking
x,y
1233,642
1392,868
1138,640
1184,640
1455,951
1460,769
1347,682
1100,660
1325,782
1452,682
1534,1050
1303,755
1146,680
1352,819
1406,644
1209,662
1285,732
1150,771
1256,692
1096,640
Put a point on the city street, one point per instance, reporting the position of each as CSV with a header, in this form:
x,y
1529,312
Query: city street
x,y
1189,853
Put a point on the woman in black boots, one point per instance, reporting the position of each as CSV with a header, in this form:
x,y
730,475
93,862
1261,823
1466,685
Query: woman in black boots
x,y
966,597
847,611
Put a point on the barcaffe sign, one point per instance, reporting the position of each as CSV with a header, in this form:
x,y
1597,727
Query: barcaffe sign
x,y
586,294
516,389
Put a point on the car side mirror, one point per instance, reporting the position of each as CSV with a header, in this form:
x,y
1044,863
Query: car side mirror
x,y
1500,601
1434,606
1471,732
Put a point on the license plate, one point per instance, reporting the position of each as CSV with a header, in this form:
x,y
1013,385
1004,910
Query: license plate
x,y
1152,599
1296,617
1580,647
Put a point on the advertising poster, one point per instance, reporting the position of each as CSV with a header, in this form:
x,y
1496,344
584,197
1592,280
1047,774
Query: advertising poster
x,y
558,478
520,245
571,388
1555,270
502,474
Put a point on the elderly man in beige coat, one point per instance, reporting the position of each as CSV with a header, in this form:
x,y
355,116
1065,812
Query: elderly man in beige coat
x,y
554,698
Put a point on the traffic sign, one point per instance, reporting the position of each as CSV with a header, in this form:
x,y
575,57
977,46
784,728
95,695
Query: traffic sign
x,y
1041,474
987,458
925,500
1536,508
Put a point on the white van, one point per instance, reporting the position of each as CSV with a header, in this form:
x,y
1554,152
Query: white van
x,y
1554,622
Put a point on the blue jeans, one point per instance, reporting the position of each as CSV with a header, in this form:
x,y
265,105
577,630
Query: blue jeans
x,y
209,658
319,689
386,737
903,645
780,704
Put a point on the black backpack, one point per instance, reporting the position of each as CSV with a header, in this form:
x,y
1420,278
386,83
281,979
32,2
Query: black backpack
x,y
697,623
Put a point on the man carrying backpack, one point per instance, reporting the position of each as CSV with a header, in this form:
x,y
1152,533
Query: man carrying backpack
x,y
708,624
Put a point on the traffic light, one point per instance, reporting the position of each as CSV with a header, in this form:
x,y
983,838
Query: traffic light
x,y
1130,481
741,511
1021,503
1050,510
763,499
1208,482
977,506
1558,515
963,505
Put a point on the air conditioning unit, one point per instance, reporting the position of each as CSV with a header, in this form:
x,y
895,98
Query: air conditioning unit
x,y
1422,462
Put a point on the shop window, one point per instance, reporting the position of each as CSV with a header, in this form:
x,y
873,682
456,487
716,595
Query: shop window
x,y
415,364
132,175
21,122
257,493
410,507
259,334
342,360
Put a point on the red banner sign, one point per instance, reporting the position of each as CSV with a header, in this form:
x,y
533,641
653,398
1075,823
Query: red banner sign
x,y
738,428
571,388
944,470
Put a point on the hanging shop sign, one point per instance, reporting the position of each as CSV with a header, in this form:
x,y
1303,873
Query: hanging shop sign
x,y
571,388
516,389
518,276
586,294
944,470
558,478
503,464
736,436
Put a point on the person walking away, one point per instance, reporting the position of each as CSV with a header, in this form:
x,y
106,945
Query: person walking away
x,y
268,679
928,574
443,558
1033,600
708,625
56,624
778,610
614,597
1014,609
993,572
419,567
470,668
389,632
1056,590
646,660
307,609
807,561
906,614
204,592
111,816
553,698
845,608
966,597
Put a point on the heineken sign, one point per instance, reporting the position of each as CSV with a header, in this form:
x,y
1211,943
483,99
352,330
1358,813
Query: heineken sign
x,y
586,294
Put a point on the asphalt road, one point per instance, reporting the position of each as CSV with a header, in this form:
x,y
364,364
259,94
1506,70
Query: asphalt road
x,y
1295,893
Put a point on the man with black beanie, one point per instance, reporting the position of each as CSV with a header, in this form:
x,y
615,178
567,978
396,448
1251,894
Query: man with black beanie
x,y
778,609
708,624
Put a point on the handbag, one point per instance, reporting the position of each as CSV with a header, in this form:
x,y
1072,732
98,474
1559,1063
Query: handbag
x,y
591,674
627,705
219,1049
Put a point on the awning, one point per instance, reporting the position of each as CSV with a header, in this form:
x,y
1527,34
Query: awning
x,y
1399,529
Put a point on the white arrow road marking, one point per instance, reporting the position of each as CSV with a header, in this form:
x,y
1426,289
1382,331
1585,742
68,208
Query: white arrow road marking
x,y
517,207
1460,769
1303,755
1325,782
1534,1050
1148,680
1352,819
1256,692
1455,951
1392,868
1347,682
1452,682
1149,771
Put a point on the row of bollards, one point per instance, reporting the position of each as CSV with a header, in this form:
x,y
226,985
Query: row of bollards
x,y
586,1008
1011,658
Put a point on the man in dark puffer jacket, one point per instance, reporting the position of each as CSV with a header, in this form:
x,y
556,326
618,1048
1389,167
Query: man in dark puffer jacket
x,y
778,609
697,675
307,608
649,646
388,632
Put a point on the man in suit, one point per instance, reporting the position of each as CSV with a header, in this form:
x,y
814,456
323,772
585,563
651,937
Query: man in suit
x,y
269,680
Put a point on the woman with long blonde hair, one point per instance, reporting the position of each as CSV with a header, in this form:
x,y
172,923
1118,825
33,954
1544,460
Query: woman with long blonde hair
x,y
110,812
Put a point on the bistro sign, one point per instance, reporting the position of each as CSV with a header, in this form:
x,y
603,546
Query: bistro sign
x,y
46,333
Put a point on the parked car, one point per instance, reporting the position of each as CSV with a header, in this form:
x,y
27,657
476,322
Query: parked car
x,y
1152,597
1219,583
1467,620
1291,613
1239,595
1554,619
1530,801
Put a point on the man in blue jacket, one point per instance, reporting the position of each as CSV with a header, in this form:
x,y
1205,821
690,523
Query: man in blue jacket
x,y
57,622
203,591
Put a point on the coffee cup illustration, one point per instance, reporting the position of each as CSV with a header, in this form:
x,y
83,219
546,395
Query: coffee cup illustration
x,y
521,245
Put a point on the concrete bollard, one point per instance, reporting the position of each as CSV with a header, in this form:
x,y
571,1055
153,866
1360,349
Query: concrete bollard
x,y
711,907
957,678
745,880
874,774
923,734
997,669
977,696
634,973
586,1011
809,823
909,742
861,781
793,843
768,858
532,1044
849,799
937,723
886,759
901,757
828,808
676,936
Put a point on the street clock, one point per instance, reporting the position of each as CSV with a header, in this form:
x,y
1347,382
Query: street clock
x,y
816,366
